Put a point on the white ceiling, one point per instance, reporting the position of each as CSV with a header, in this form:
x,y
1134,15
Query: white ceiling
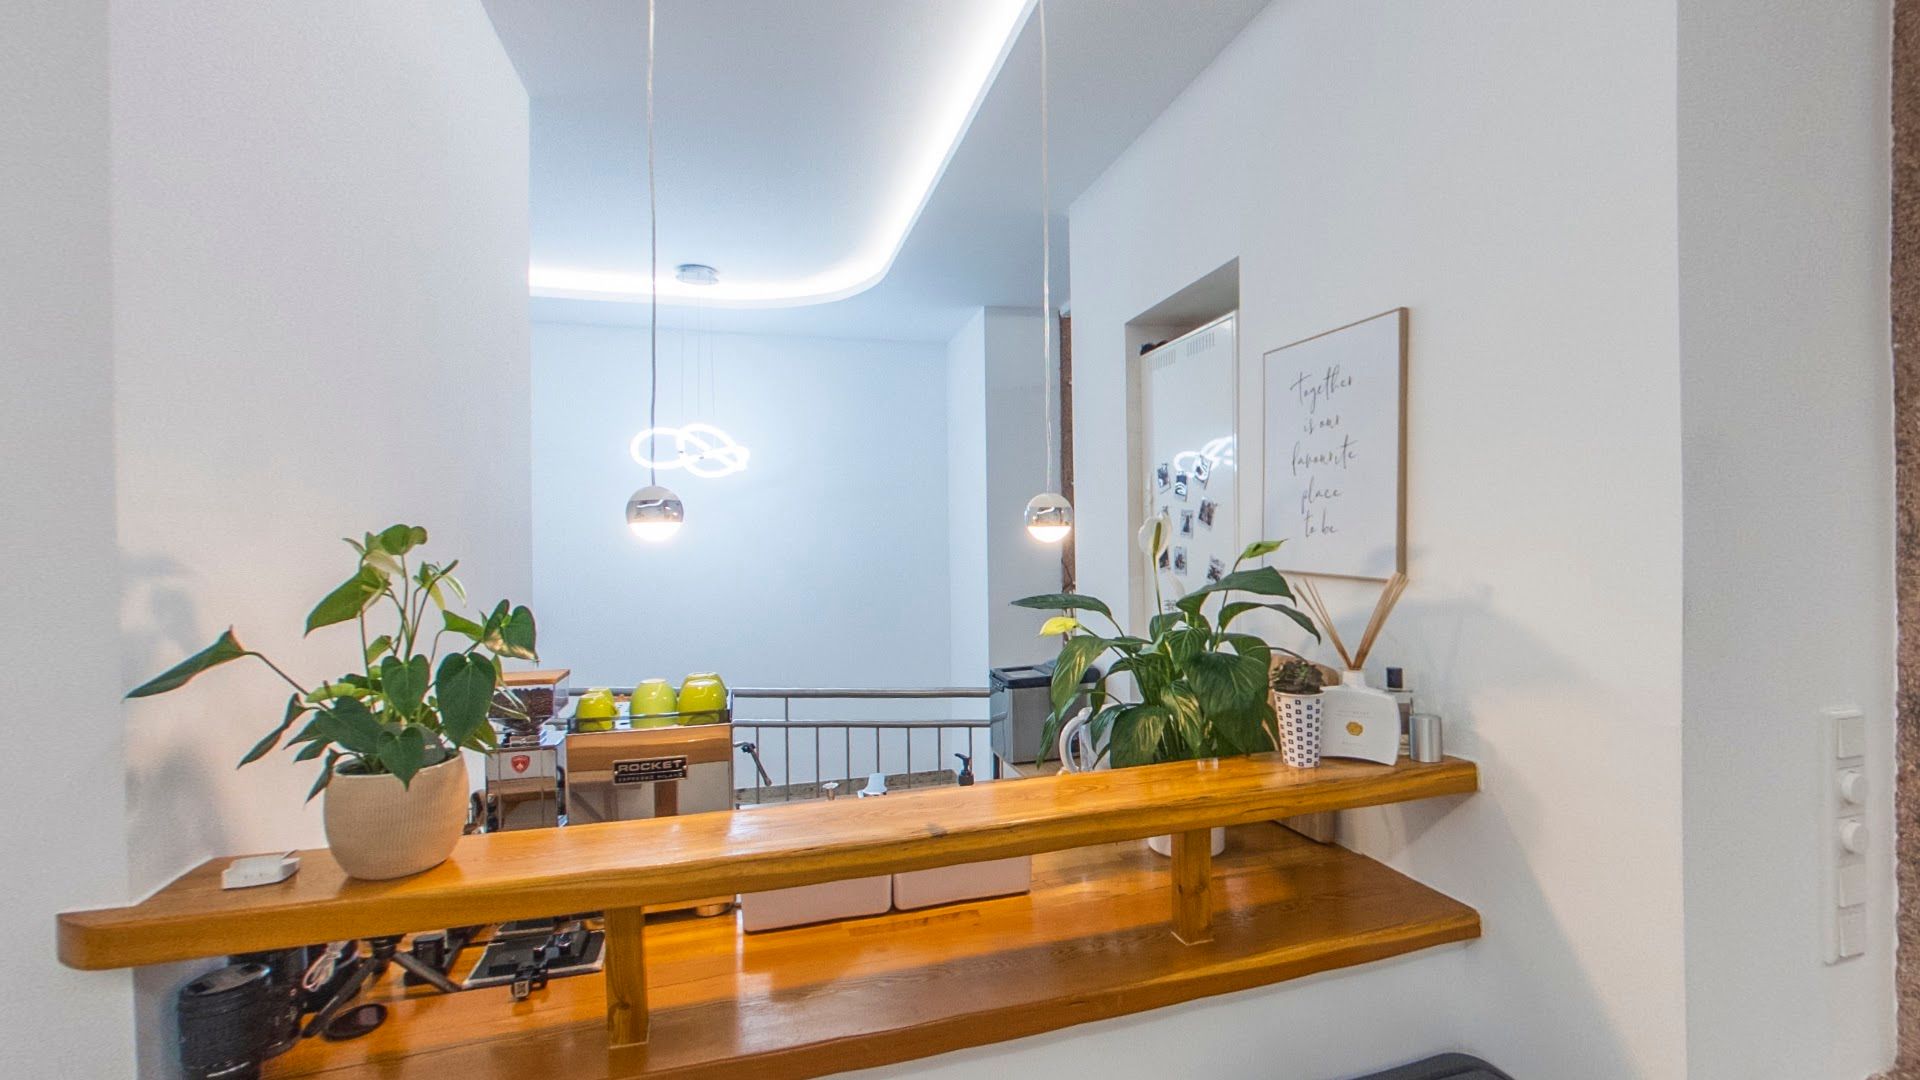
x,y
795,141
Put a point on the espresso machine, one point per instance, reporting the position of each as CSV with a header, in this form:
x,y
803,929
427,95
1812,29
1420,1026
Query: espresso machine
x,y
674,763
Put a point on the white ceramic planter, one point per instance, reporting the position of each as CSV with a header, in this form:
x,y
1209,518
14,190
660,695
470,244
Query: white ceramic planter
x,y
1299,716
1163,844
378,829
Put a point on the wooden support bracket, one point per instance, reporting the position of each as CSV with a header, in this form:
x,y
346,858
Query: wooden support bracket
x,y
626,973
1193,886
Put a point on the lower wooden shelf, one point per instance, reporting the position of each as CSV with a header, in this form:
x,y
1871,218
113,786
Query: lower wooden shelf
x,y
1090,942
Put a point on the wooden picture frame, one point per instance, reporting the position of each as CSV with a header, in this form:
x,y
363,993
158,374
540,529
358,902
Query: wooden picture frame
x,y
1328,401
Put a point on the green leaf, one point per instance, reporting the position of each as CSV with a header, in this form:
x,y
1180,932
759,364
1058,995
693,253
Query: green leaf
x,y
1186,643
438,580
1256,650
496,619
348,600
405,685
1138,731
379,647
1163,622
1152,670
1242,729
514,636
1264,581
1229,612
464,689
351,725
326,775
1063,602
226,648
347,687
311,750
295,709
1185,716
1259,548
1223,683
465,627
400,539
1076,655
403,754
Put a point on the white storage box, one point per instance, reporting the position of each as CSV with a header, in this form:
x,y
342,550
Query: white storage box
x,y
824,902
966,881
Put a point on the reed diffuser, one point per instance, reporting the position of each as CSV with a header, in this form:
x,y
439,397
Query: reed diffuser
x,y
1357,721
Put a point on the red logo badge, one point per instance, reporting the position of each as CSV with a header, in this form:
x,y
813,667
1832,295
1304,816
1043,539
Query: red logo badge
x,y
520,762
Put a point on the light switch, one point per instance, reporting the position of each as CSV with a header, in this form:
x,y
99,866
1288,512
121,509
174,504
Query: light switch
x,y
1843,768
1849,733
1852,786
1854,836
1851,889
1853,932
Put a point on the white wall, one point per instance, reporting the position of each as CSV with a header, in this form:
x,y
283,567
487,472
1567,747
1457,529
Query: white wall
x,y
1017,462
822,564
997,459
969,613
1788,456
290,279
1506,169
62,835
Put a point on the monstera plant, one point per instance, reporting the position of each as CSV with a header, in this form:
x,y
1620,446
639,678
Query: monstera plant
x,y
1202,687
425,681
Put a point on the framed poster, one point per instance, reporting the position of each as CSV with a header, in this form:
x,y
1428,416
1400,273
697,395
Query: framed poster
x,y
1336,450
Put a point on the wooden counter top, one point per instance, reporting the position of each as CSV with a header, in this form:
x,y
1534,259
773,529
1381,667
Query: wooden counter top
x,y
630,864
1089,943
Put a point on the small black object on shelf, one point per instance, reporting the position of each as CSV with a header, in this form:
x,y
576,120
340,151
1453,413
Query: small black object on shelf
x,y
354,1023
227,1021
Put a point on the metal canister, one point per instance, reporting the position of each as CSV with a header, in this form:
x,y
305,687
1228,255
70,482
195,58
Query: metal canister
x,y
1423,737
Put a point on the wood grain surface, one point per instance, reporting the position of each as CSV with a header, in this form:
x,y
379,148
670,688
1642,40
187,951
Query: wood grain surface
x,y
1090,942
623,864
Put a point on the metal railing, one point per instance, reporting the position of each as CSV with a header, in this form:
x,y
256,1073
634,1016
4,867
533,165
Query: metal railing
x,y
897,744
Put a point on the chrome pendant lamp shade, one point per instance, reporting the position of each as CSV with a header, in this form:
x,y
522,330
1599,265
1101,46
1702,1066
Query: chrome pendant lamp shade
x,y
1049,514
654,513
1049,517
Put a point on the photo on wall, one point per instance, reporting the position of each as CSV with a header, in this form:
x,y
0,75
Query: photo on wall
x,y
1335,408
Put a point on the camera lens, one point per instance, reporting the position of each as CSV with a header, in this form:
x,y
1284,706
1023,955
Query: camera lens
x,y
226,1022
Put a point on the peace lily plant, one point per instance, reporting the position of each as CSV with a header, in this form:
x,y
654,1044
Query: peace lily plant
x,y
1203,688
393,729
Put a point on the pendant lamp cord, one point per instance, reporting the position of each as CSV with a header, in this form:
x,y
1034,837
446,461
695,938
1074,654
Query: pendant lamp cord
x,y
1046,257
653,274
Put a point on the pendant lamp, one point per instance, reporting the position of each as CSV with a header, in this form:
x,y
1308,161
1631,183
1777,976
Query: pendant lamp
x,y
1049,514
654,513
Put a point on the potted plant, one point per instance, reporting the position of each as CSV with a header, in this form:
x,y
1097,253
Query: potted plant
x,y
1202,687
391,731
1296,689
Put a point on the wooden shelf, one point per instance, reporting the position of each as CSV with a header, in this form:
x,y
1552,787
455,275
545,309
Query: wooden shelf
x,y
1089,943
632,864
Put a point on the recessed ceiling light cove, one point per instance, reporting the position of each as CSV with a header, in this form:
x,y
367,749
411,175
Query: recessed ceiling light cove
x,y
940,133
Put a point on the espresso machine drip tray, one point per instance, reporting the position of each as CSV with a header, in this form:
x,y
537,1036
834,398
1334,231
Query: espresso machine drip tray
x,y
554,953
